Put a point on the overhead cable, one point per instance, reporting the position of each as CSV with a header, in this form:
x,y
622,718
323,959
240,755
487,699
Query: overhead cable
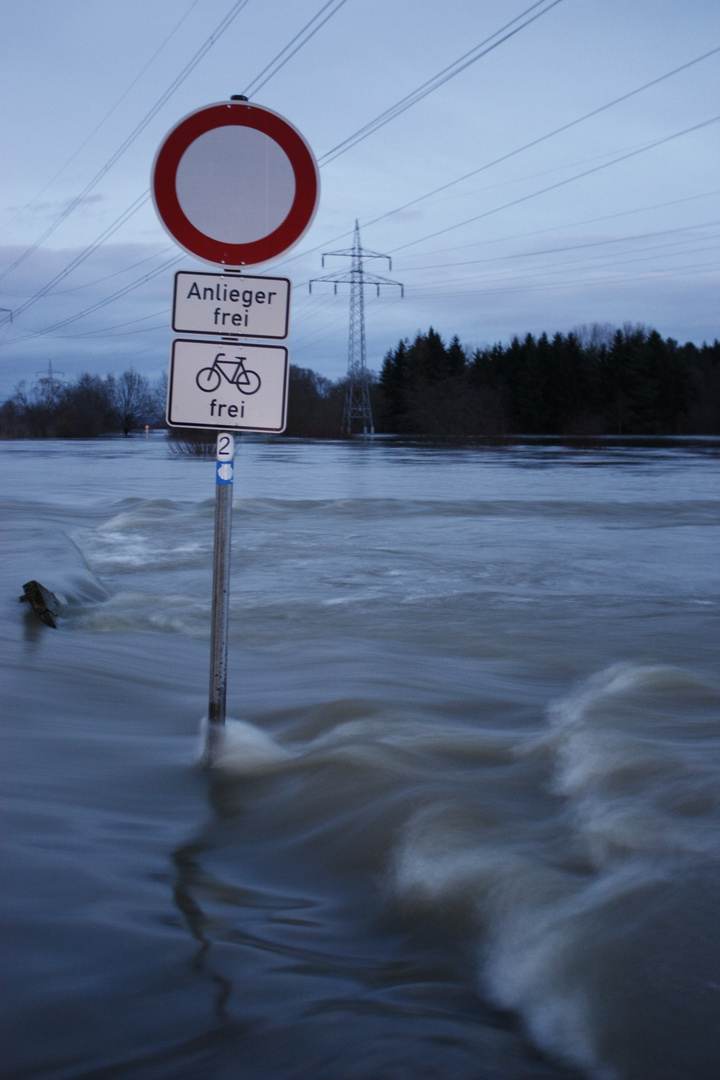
x,y
513,153
146,195
544,284
587,262
119,326
109,113
560,183
544,138
85,254
271,69
570,225
104,302
162,100
432,84
438,80
566,247
116,273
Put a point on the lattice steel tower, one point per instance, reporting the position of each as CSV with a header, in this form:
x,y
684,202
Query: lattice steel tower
x,y
357,395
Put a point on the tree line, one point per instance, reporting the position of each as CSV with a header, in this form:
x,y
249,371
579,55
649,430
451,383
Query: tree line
x,y
92,406
89,407
595,381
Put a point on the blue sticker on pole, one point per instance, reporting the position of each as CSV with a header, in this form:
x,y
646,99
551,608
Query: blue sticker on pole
x,y
224,472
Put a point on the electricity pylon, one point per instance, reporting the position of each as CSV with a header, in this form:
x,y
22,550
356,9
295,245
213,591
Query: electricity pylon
x,y
49,383
357,395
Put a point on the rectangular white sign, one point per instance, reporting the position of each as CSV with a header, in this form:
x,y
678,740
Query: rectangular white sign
x,y
232,386
231,304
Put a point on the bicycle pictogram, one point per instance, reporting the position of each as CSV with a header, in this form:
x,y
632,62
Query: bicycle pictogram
x,y
233,371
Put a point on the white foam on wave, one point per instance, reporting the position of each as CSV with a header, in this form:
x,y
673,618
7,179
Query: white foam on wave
x,y
571,963
128,610
566,951
404,747
242,749
576,927
157,534
369,743
638,758
520,907
124,551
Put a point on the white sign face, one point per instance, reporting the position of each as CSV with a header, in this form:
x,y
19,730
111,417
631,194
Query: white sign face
x,y
231,304
232,386
245,200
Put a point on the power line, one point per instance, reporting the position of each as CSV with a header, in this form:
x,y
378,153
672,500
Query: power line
x,y
108,114
139,128
103,303
126,214
117,273
438,80
119,326
567,247
285,54
571,225
220,29
517,150
478,290
588,262
548,135
560,183
516,236
112,228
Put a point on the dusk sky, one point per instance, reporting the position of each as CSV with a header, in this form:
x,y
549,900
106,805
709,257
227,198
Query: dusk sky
x,y
566,175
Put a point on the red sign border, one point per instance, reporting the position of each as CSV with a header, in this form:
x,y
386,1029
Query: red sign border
x,y
217,252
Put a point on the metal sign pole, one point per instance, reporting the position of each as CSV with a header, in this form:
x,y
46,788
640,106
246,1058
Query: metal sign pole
x,y
225,453
227,163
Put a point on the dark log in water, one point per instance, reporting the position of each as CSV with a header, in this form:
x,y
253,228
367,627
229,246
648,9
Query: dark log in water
x,y
44,603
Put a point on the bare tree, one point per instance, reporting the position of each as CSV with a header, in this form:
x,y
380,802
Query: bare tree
x,y
132,399
594,335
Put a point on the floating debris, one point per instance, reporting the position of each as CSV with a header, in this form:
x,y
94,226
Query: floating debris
x,y
44,603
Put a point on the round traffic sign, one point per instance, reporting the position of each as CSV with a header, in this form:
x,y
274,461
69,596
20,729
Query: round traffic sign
x,y
235,184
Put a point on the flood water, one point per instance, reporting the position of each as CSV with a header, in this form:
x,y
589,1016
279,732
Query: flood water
x,y
466,821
